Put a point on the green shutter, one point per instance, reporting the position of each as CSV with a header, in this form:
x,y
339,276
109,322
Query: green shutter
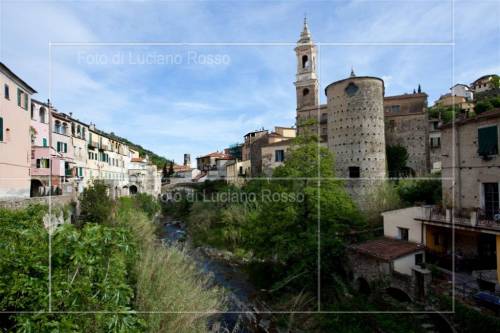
x,y
1,129
44,140
26,102
18,97
65,147
488,141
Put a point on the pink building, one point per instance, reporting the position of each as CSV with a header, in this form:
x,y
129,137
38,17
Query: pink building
x,y
43,157
15,145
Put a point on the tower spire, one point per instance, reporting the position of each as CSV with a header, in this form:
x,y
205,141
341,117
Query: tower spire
x,y
305,35
352,72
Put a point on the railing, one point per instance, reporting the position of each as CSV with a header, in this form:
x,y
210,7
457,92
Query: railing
x,y
466,217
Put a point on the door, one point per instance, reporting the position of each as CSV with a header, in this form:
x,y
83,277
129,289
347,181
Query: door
x,y
491,205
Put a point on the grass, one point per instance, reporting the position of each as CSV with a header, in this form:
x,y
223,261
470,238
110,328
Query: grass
x,y
168,280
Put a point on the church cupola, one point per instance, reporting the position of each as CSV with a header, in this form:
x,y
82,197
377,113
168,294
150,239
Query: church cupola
x,y
306,83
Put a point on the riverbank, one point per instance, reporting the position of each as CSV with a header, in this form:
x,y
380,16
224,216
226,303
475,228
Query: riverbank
x,y
245,308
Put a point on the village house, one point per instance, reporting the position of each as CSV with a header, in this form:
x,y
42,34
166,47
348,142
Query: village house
x,y
465,229
15,138
47,165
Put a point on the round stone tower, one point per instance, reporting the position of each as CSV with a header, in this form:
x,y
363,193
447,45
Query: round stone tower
x,y
356,132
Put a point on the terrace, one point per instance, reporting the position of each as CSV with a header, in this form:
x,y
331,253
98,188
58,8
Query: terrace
x,y
465,219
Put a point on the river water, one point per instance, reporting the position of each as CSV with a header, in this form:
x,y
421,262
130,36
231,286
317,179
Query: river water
x,y
242,315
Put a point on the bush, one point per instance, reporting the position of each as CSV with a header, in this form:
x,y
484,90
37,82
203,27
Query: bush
x,y
483,106
147,204
427,191
95,204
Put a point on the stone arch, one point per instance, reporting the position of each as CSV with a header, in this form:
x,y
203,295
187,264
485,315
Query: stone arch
x,y
362,286
36,188
398,294
133,189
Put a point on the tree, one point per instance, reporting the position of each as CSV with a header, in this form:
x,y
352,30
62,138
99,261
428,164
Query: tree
x,y
285,230
95,204
171,169
419,89
495,81
164,171
397,157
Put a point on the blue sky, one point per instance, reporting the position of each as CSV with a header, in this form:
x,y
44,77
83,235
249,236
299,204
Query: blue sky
x,y
180,103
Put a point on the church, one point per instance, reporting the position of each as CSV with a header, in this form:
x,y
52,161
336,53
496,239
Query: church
x,y
358,121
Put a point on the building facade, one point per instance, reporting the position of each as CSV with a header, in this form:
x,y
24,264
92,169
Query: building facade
x,y
406,124
15,135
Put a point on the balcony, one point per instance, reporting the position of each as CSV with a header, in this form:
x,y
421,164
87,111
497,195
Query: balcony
x,y
94,144
471,219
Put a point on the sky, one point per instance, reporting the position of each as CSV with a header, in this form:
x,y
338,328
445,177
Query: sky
x,y
196,76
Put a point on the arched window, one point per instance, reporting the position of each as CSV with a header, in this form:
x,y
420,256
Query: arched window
x,y
305,92
305,61
32,110
64,129
41,114
57,127
83,133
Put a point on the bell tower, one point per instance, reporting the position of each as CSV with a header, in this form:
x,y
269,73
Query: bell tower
x,y
306,84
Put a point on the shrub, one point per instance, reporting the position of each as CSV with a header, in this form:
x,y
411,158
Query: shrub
x,y
95,204
147,203
426,191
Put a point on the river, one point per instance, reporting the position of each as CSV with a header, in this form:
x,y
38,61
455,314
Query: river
x,y
243,313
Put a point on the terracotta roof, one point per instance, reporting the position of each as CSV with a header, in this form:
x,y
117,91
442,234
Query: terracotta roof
x,y
415,95
217,155
387,249
137,159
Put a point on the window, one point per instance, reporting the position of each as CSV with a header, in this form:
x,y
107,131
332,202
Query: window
x,y
62,147
305,92
435,142
44,142
57,127
6,92
22,99
64,129
419,259
354,172
403,233
279,155
305,61
491,200
487,141
395,108
32,110
1,129
41,114
42,163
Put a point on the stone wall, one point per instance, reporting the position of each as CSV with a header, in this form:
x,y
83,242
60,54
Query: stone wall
x,y
356,132
20,203
406,124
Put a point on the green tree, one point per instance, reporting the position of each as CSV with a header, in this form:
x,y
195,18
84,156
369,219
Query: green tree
x,y
483,106
95,204
164,171
305,197
397,157
171,169
495,81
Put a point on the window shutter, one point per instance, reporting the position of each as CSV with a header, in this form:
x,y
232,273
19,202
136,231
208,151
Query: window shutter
x,y
65,147
1,129
18,97
26,102
44,142
488,141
